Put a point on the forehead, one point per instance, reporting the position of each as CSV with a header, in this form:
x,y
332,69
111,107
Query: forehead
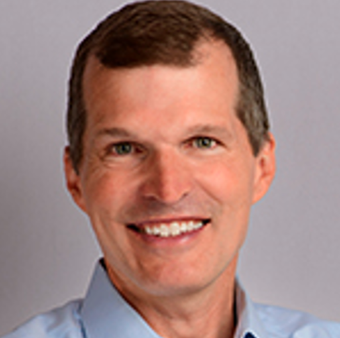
x,y
211,81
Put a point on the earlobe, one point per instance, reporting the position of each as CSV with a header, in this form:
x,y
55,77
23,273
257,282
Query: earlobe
x,y
265,169
73,182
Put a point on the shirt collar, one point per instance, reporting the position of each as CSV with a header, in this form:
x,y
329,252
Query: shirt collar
x,y
104,311
249,324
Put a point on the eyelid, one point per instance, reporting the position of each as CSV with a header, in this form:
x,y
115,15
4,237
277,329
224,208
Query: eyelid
x,y
135,148
199,137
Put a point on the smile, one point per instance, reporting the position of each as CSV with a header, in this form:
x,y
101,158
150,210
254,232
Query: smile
x,y
169,229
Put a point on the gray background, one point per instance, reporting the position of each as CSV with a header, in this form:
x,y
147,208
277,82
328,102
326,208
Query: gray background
x,y
47,251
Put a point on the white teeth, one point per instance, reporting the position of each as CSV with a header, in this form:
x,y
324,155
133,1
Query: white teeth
x,y
173,229
196,226
190,226
183,227
156,231
164,231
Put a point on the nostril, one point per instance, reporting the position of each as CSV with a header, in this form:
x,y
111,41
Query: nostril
x,y
166,176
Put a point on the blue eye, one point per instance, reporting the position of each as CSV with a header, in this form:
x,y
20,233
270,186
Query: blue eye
x,y
204,142
123,148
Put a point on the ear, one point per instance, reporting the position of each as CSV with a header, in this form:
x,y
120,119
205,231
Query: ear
x,y
265,169
73,181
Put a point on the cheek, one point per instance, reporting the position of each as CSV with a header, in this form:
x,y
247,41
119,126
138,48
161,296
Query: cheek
x,y
227,182
105,197
105,188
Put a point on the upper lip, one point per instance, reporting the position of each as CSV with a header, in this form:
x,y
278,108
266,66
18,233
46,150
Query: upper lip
x,y
151,221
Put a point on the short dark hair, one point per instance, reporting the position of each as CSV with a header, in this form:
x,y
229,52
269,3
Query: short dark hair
x,y
164,32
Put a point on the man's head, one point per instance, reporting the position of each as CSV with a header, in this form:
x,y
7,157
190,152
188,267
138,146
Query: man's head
x,y
164,33
168,168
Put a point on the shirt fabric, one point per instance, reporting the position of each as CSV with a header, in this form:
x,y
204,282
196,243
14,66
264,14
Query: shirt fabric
x,y
104,313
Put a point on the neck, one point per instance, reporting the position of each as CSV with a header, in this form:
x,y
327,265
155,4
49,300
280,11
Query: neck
x,y
208,313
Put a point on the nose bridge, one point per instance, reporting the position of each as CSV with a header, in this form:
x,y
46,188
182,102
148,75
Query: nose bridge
x,y
167,176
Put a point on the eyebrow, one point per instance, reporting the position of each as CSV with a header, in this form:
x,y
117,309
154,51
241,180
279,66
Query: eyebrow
x,y
210,129
115,132
193,130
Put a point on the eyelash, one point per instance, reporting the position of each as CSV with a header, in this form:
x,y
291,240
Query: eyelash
x,y
113,148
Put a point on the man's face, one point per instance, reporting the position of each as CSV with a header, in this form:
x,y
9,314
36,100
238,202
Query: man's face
x,y
168,175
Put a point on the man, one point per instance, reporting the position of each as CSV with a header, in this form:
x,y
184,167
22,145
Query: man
x,y
169,147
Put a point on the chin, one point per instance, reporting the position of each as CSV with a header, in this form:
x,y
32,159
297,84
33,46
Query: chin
x,y
173,285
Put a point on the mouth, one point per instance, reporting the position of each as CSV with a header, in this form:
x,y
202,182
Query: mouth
x,y
165,229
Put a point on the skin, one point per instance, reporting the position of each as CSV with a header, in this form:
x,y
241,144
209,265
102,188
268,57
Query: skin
x,y
161,144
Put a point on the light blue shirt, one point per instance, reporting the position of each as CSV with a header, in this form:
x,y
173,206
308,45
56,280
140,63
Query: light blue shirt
x,y
105,314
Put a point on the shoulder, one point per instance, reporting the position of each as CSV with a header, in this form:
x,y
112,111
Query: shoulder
x,y
61,322
283,323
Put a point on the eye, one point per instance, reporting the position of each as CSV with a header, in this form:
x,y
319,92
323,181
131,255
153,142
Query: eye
x,y
204,142
123,148
124,152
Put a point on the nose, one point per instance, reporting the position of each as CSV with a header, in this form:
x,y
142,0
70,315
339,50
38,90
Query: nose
x,y
167,178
